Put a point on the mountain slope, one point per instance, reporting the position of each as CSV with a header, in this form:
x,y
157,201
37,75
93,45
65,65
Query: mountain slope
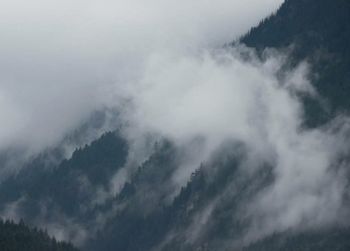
x,y
317,31
65,195
19,237
336,239
150,212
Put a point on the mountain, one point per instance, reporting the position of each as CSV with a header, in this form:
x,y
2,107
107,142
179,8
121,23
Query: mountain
x,y
317,32
19,237
336,239
69,185
149,211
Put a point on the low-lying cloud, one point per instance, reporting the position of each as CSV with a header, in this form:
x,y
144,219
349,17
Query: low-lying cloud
x,y
59,59
223,95
161,66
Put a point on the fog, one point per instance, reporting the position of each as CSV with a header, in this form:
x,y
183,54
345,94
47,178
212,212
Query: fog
x,y
219,96
61,58
162,66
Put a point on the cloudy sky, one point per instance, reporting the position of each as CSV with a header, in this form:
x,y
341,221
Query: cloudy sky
x,y
60,59
160,63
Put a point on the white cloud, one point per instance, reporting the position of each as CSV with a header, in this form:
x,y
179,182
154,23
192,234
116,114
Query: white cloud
x,y
218,96
59,59
157,62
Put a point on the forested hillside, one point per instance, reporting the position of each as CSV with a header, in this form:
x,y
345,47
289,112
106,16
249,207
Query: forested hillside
x,y
19,237
319,33
105,202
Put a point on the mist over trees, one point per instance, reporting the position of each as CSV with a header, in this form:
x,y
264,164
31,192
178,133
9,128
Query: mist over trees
x,y
18,237
318,33
169,178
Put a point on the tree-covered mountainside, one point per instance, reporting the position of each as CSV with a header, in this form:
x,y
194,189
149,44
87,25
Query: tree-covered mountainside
x,y
142,216
336,239
19,237
89,167
317,31
150,219
148,210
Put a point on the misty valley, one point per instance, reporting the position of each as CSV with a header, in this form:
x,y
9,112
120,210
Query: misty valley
x,y
175,126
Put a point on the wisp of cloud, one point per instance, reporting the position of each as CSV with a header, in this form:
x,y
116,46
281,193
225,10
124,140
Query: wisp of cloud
x,y
161,65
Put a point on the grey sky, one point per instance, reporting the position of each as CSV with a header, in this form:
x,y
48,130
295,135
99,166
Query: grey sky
x,y
62,60
59,59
